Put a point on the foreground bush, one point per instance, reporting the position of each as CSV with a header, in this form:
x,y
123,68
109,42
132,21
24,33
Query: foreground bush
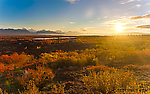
x,y
40,75
107,82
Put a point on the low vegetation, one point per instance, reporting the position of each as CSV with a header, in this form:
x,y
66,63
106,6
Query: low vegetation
x,y
105,65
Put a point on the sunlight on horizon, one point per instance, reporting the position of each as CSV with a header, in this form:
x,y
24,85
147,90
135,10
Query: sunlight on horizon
x,y
119,28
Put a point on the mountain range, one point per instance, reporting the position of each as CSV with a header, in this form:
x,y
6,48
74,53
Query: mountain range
x,y
25,31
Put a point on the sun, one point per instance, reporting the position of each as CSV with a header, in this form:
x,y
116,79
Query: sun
x,y
119,28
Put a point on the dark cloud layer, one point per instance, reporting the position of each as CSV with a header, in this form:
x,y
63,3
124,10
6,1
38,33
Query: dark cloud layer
x,y
143,26
140,17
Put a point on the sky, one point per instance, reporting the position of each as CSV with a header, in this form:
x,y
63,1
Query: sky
x,y
84,16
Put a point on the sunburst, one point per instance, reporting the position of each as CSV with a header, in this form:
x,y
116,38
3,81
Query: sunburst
x,y
119,28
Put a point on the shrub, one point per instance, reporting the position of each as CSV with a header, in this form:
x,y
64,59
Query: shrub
x,y
39,76
18,60
98,68
61,59
130,67
107,82
31,89
5,68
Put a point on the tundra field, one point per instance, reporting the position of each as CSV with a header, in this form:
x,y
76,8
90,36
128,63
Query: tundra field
x,y
75,65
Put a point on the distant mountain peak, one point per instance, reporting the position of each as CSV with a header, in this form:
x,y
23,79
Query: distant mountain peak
x,y
14,31
50,32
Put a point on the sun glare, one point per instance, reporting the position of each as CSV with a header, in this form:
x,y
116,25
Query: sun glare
x,y
119,28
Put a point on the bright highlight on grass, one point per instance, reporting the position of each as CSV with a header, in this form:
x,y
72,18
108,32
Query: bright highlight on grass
x,y
119,28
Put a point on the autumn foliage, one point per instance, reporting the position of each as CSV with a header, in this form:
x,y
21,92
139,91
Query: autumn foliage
x,y
101,65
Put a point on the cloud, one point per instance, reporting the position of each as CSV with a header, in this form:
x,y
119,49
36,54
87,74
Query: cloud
x,y
147,4
128,1
141,17
71,1
138,5
148,11
123,21
72,22
87,28
89,13
144,26
84,29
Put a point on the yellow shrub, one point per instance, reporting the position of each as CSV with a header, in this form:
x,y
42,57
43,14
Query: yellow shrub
x,y
60,59
108,81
